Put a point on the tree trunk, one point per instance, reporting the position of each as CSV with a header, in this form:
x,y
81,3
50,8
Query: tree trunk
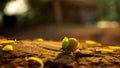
x,y
58,11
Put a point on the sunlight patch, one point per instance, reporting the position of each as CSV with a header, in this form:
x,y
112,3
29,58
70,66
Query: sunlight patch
x,y
16,7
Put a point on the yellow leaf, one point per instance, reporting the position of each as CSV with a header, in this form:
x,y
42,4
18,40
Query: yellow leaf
x,y
105,50
114,47
65,43
39,39
6,41
40,61
7,48
73,45
90,42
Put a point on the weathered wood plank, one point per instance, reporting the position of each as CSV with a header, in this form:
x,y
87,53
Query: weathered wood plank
x,y
87,56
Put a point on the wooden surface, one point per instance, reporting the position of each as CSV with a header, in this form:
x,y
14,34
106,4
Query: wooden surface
x,y
86,56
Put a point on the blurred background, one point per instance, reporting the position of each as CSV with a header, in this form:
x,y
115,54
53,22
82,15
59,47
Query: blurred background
x,y
54,19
